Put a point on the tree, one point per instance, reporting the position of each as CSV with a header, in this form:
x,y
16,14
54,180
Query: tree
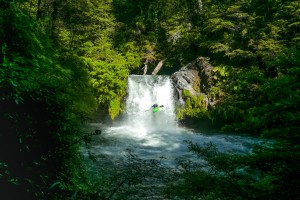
x,y
41,105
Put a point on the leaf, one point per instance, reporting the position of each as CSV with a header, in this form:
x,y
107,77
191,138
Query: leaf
x,y
74,195
54,184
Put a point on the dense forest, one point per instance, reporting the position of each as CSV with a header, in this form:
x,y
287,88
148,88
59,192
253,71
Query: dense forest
x,y
62,61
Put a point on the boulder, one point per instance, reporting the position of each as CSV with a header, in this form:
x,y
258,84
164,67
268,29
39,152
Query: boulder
x,y
196,77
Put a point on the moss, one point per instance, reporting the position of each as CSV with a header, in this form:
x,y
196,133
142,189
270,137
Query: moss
x,y
114,108
195,106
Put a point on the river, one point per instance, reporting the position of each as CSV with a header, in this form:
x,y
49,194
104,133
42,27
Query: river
x,y
152,135
155,136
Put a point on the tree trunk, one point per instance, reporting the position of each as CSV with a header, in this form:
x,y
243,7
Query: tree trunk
x,y
146,67
158,67
39,12
200,4
54,15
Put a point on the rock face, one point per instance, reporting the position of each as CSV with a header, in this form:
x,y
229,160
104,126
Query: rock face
x,y
196,77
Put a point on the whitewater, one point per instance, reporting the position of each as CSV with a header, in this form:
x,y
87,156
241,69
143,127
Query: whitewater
x,y
157,135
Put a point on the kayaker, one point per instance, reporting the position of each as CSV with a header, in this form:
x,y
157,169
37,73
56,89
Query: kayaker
x,y
155,107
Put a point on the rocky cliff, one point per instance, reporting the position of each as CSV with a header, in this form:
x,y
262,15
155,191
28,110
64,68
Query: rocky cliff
x,y
195,80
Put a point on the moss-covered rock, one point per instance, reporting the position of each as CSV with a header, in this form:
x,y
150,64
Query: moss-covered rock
x,y
195,106
193,84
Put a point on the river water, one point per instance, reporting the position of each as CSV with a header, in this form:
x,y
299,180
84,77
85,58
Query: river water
x,y
155,135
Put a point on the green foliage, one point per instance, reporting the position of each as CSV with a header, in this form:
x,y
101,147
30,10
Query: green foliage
x,y
195,106
167,25
266,175
273,105
87,35
44,99
5,175
110,82
114,108
259,94
47,92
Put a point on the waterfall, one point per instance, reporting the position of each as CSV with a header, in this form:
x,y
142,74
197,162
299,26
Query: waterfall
x,y
143,143
144,91
152,135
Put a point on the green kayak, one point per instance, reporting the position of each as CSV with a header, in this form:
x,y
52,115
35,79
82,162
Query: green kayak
x,y
155,109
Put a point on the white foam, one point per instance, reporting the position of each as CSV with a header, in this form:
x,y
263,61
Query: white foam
x,y
152,135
